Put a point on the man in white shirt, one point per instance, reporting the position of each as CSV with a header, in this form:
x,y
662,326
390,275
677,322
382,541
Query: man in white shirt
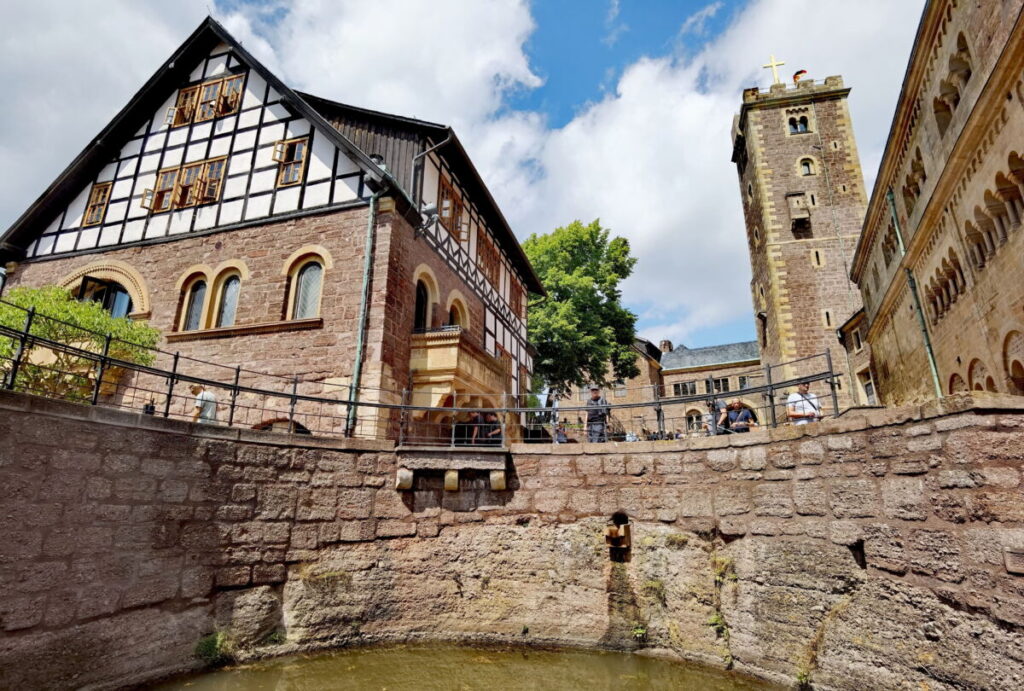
x,y
803,407
205,410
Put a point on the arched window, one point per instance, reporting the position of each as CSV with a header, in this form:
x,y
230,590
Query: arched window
x,y
793,128
194,299
453,316
422,306
801,125
307,291
228,303
111,294
807,167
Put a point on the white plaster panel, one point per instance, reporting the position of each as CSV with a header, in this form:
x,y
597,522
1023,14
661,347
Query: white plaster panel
x,y
271,133
109,235
202,131
53,227
286,200
107,174
46,245
216,66
264,157
158,123
230,212
145,182
489,344
298,128
316,195
235,187
197,73
272,95
345,165
196,152
233,62
157,227
430,183
172,157
321,161
249,118
206,216
127,168
254,89
88,238
116,212
133,231
346,190
135,209
156,142
275,112
244,141
149,163
489,319
142,130
177,136
73,216
263,181
239,162
181,221
258,206
220,146
220,48
66,242
132,148
224,124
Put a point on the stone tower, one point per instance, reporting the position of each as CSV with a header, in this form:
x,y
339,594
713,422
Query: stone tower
x,y
803,202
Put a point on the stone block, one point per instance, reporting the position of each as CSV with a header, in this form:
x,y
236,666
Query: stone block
x,y
811,498
935,553
853,498
276,502
732,500
233,576
903,497
243,492
1002,477
722,460
733,526
753,458
773,500
21,612
956,479
884,549
355,503
317,504
696,502
811,452
845,532
394,528
304,537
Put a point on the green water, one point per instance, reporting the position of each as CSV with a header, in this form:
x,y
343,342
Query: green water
x,y
438,667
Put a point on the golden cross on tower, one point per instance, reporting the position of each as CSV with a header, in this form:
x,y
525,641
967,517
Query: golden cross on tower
x,y
774,66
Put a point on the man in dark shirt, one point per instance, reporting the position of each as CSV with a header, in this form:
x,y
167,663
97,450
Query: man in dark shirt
x,y
597,416
490,431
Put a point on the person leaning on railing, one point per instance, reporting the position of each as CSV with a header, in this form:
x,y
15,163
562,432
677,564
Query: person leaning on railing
x,y
802,406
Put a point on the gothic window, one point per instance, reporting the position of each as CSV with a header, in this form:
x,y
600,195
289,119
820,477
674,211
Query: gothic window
x,y
807,167
97,206
422,312
308,284
290,155
110,294
194,298
228,304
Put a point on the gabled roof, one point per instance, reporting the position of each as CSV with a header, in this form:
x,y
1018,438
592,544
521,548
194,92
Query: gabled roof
x,y
648,349
174,72
134,115
682,357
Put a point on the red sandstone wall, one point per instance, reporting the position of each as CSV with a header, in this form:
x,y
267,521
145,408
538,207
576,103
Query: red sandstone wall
x,y
128,536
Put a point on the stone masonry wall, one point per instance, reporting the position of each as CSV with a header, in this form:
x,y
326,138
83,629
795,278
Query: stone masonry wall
x,y
876,551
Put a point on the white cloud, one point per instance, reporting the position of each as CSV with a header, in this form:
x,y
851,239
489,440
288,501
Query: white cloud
x,y
651,158
614,28
696,23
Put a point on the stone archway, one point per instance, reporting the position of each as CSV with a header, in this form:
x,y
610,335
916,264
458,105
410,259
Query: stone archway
x,y
1013,361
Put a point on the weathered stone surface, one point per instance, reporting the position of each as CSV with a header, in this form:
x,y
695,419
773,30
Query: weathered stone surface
x,y
249,616
903,497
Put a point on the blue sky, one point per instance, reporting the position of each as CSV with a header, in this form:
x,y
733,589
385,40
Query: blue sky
x,y
571,109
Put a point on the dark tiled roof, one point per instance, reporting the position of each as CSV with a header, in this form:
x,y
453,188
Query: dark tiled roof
x,y
647,348
682,357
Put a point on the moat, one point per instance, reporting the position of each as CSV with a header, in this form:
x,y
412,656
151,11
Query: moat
x,y
426,667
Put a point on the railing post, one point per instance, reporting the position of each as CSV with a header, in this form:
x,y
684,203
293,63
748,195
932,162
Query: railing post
x,y
403,418
832,383
455,404
770,395
291,407
170,385
709,388
101,370
22,340
658,412
234,395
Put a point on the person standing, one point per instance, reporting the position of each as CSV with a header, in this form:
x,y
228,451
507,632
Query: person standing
x,y
802,406
740,417
597,416
205,410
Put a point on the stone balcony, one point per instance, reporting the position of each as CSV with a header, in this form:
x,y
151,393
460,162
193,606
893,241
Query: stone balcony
x,y
449,369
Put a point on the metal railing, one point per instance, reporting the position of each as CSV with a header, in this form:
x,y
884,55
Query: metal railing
x,y
85,367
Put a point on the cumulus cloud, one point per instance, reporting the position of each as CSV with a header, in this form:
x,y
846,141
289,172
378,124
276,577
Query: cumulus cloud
x,y
650,158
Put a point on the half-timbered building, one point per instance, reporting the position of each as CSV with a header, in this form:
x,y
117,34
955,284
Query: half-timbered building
x,y
293,236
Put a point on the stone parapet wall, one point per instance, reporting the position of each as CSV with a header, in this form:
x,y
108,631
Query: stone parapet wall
x,y
880,549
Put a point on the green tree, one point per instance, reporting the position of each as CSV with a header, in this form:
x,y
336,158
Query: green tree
x,y
582,327
82,325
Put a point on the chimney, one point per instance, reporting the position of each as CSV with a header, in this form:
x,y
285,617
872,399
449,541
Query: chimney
x,y
665,346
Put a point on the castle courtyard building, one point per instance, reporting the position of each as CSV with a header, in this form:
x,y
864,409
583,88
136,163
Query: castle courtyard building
x,y
299,238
